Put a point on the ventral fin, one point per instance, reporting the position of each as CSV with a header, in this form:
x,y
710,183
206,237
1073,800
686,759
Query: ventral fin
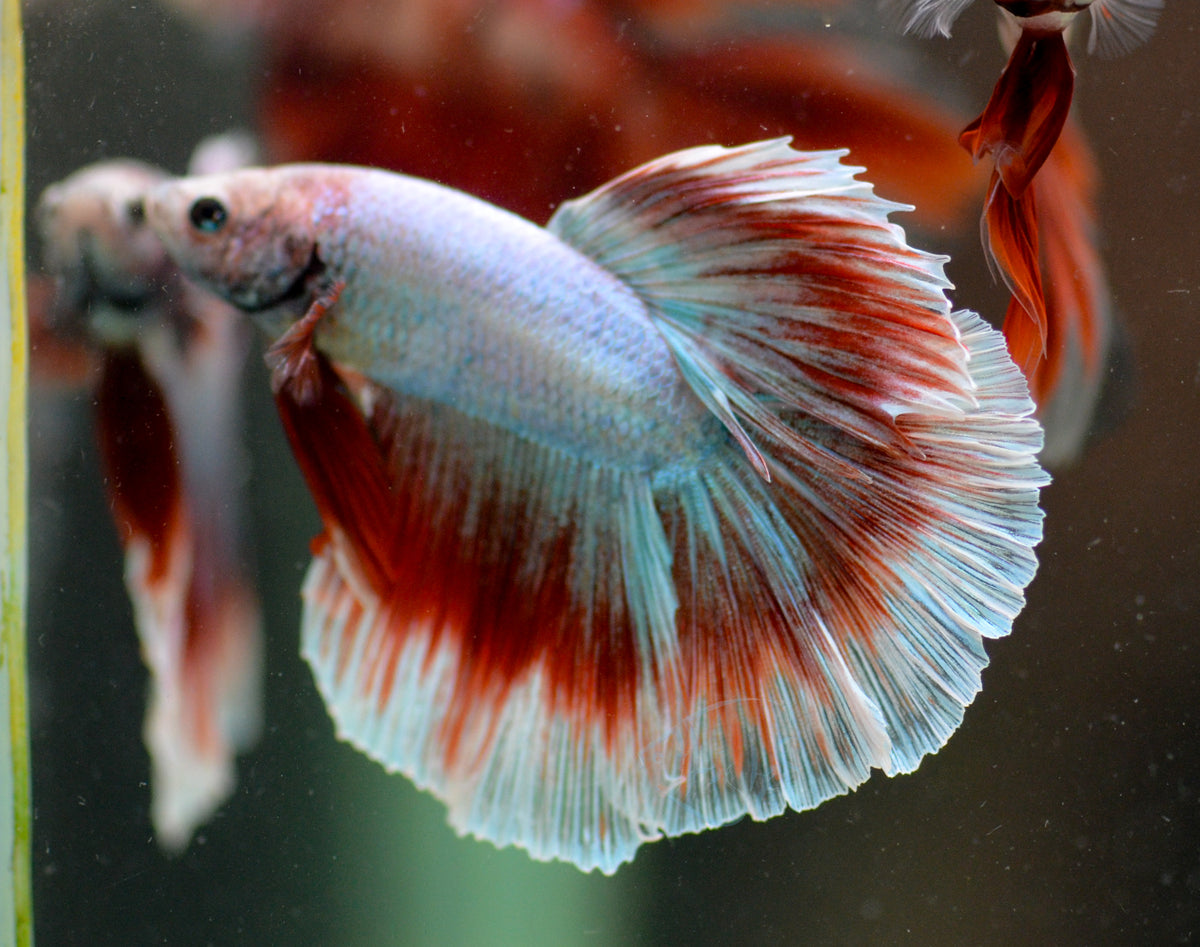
x,y
337,453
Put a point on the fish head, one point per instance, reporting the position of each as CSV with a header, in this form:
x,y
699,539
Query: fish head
x,y
245,235
95,241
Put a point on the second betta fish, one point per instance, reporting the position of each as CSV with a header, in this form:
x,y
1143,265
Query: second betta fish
x,y
697,503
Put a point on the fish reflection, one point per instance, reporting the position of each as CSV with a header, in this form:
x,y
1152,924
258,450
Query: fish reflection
x,y
169,363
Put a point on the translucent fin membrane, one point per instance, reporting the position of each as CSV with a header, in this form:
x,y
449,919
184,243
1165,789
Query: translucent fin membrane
x,y
927,17
1121,25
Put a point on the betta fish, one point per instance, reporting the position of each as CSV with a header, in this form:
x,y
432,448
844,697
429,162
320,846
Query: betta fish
x,y
698,502
1036,230
170,359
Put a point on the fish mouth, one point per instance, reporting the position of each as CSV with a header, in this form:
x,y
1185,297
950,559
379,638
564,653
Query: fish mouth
x,y
86,291
300,289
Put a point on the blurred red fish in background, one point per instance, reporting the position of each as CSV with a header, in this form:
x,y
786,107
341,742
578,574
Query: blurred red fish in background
x,y
164,361
1038,218
529,102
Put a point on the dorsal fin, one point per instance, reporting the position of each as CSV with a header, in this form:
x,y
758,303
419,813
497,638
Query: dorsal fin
x,y
781,286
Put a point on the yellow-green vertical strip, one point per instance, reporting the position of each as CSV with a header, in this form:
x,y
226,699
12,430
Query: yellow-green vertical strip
x,y
16,903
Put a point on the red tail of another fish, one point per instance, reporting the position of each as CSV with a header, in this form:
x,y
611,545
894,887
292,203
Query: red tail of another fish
x,y
1038,230
458,124
1018,129
578,657
1067,384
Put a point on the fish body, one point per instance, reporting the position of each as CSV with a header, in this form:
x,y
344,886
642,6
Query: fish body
x,y
697,503
445,331
169,428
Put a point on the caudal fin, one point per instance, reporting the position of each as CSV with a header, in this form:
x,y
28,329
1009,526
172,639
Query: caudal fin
x,y
898,436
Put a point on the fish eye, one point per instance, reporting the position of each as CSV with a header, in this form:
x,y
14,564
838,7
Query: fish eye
x,y
208,214
135,212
